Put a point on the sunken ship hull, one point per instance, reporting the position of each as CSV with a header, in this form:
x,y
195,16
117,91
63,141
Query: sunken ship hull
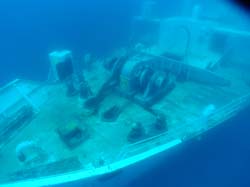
x,y
110,120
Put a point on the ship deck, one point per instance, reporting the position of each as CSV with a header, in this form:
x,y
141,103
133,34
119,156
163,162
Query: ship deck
x,y
182,107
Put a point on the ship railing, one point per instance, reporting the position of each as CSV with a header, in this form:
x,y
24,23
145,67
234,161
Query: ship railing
x,y
16,105
20,96
229,110
187,130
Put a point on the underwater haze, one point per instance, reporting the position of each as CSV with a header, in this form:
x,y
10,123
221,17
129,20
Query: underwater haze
x,y
31,29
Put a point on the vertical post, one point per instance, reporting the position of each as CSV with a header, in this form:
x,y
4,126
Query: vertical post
x,y
61,65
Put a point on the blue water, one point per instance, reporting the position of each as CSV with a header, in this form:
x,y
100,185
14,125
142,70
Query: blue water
x,y
30,29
